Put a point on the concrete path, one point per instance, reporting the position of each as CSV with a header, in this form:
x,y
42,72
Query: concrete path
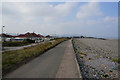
x,y
49,64
69,67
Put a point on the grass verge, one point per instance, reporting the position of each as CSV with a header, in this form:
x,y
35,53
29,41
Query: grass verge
x,y
82,53
116,60
10,58
15,43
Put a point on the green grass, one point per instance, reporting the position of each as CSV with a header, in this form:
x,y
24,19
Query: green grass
x,y
75,50
12,57
15,43
81,56
82,53
98,56
119,67
116,60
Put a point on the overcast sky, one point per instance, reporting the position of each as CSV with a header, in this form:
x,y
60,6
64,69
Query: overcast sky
x,y
70,18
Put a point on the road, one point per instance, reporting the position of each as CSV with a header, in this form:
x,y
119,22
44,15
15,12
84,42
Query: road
x,y
19,47
50,64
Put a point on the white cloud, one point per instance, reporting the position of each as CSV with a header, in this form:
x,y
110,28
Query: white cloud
x,y
60,0
99,27
65,8
47,18
44,11
24,15
111,19
88,10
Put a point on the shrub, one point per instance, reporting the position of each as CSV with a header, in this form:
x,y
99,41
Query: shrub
x,y
30,41
15,43
116,60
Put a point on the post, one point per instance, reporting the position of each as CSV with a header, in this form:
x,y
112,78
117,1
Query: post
x,y
2,29
2,33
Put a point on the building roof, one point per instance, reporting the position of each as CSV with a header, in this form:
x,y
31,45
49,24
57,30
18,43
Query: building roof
x,y
29,35
21,35
6,35
40,35
48,36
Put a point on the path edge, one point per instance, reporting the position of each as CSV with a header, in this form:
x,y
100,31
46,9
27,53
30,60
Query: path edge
x,y
76,59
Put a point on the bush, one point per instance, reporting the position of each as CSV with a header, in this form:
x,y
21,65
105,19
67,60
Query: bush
x,y
116,60
15,43
30,41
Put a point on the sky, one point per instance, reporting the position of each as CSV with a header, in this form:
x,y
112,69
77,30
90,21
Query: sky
x,y
97,19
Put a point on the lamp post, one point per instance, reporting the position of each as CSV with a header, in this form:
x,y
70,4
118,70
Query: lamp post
x,y
2,33
3,29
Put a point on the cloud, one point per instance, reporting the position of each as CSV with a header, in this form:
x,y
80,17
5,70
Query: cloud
x,y
24,15
65,8
88,10
44,11
47,18
97,28
111,19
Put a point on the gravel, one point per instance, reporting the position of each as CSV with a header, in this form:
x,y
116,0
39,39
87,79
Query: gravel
x,y
96,56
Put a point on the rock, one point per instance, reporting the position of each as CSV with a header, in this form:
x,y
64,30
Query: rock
x,y
94,75
89,58
105,75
